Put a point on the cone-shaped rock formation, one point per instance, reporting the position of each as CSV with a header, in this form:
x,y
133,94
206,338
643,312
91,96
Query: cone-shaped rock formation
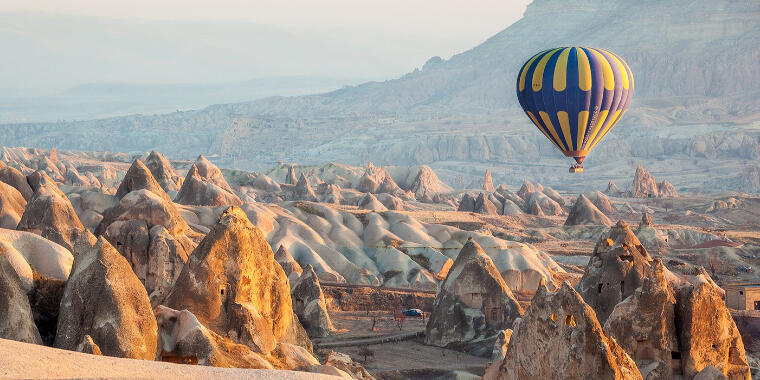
x,y
559,337
585,212
474,304
104,299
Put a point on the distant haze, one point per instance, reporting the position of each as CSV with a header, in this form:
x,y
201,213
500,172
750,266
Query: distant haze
x,y
50,46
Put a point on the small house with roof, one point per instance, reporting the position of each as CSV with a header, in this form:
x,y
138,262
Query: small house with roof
x,y
745,296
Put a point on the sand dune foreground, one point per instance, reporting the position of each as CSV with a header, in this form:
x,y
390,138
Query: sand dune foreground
x,y
24,360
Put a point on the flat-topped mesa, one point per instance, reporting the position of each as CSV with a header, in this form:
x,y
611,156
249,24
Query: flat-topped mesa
x,y
585,212
234,286
473,305
559,337
49,213
163,172
616,269
488,182
205,185
139,177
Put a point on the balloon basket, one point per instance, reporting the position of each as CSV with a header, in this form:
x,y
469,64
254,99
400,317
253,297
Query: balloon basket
x,y
576,169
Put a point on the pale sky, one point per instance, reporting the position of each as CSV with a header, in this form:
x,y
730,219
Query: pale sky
x,y
469,17
354,38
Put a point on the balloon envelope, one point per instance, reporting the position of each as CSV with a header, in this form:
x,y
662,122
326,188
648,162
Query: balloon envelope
x,y
575,95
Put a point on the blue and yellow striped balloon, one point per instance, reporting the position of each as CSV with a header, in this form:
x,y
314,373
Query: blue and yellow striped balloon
x,y
575,95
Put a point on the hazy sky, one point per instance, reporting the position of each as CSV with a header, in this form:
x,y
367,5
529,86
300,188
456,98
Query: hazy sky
x,y
471,18
352,38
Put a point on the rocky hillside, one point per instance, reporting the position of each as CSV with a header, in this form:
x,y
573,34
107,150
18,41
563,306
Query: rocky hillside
x,y
694,64
679,48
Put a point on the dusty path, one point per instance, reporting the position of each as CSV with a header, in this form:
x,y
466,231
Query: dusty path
x,y
24,361
372,340
326,284
396,353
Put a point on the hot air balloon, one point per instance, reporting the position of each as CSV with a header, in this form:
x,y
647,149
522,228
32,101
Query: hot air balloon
x,y
575,95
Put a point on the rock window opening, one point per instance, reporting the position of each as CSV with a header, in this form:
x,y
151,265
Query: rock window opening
x,y
622,286
570,320
554,317
600,288
675,355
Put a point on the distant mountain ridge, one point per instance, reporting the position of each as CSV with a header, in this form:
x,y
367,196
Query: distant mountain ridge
x,y
697,100
678,48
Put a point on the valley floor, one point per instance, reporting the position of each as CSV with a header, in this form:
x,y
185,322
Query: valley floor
x,y
404,359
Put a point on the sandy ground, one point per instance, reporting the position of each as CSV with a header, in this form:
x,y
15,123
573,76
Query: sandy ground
x,y
358,324
413,355
409,355
24,361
